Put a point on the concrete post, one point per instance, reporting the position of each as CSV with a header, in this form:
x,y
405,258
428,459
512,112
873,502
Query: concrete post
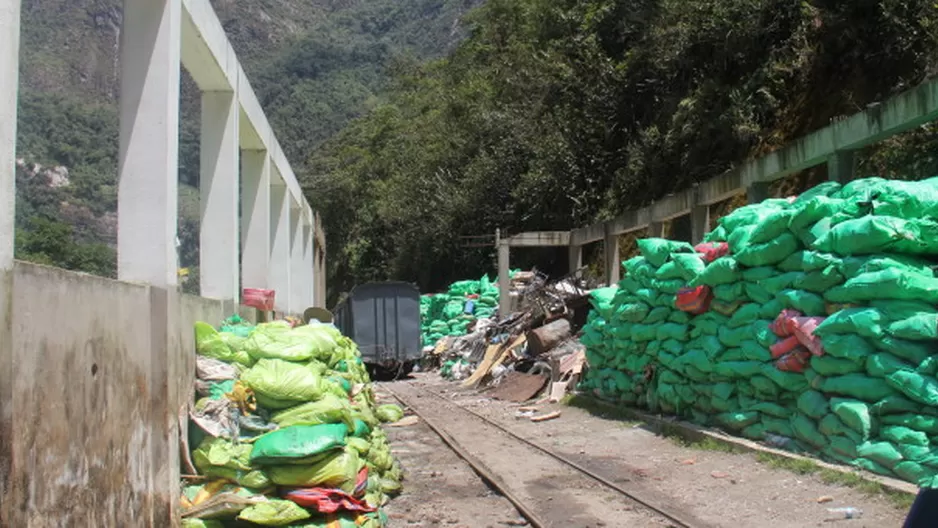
x,y
656,230
255,219
278,277
841,166
504,286
9,86
218,255
149,141
298,275
699,218
574,258
611,252
309,272
757,192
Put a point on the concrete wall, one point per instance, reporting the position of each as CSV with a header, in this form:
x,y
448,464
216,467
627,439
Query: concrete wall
x,y
100,371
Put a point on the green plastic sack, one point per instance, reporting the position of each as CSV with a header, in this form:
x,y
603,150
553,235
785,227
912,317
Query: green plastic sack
x,y
389,413
279,341
768,253
855,414
892,283
658,250
274,512
829,365
882,453
806,429
639,267
847,346
854,266
913,351
923,389
329,409
807,261
880,234
771,226
724,270
921,327
813,404
279,384
220,458
737,421
210,343
298,444
730,293
883,364
689,264
339,470
916,422
668,271
858,386
361,428
778,283
903,435
866,322
830,425
819,281
894,404
807,303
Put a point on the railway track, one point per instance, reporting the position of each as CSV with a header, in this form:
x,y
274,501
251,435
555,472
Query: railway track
x,y
586,498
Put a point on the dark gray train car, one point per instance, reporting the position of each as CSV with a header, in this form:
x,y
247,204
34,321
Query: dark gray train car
x,y
383,318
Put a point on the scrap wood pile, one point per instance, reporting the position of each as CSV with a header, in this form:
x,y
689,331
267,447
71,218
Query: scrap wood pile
x,y
285,431
810,323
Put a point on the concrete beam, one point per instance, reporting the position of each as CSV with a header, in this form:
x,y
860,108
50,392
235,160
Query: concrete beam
x,y
255,219
504,282
720,188
278,277
9,88
218,255
841,166
672,206
587,235
540,239
149,141
630,221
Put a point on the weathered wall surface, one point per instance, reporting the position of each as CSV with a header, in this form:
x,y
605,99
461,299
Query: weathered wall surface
x,y
100,370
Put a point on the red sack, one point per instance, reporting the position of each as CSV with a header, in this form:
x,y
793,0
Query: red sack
x,y
794,361
804,332
710,251
784,324
694,300
326,500
784,346
361,484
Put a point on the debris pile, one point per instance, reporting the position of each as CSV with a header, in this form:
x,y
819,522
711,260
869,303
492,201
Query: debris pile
x,y
285,430
809,323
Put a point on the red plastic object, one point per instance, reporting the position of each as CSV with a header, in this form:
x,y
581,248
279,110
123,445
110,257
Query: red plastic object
x,y
795,361
710,251
784,346
784,324
326,500
694,300
258,298
804,331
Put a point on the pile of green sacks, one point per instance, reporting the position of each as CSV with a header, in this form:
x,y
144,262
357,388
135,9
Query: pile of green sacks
x,y
808,322
308,419
447,314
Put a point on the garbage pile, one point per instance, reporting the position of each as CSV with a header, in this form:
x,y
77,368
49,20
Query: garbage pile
x,y
809,323
285,431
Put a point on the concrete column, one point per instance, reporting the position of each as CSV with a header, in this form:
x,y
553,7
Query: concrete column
x,y
149,141
575,258
841,166
9,86
255,219
278,277
611,253
699,218
309,268
757,192
504,285
298,275
218,239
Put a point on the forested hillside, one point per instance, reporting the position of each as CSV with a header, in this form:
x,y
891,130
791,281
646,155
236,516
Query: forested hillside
x,y
557,113
549,114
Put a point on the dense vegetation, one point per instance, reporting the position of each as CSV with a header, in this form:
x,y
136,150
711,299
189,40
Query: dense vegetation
x,y
556,113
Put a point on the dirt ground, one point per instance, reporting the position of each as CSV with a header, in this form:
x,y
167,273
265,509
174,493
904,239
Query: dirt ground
x,y
723,489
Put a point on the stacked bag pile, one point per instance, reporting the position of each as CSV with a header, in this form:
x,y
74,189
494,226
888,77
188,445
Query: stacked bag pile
x,y
286,431
808,322
451,313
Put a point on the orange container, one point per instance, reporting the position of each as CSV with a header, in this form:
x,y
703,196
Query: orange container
x,y
258,298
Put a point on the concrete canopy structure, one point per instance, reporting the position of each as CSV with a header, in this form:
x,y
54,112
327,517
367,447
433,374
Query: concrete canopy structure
x,y
96,375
